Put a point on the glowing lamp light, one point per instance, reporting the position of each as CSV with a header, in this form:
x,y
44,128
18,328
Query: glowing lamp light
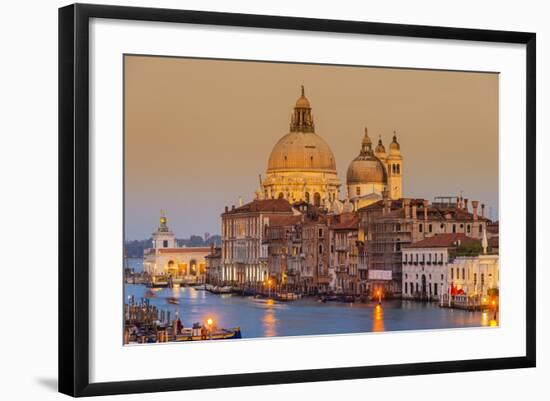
x,y
209,322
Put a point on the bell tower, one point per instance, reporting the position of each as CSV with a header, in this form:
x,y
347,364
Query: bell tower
x,y
163,237
394,166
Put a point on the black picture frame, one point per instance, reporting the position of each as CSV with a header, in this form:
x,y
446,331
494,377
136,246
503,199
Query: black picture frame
x,y
74,198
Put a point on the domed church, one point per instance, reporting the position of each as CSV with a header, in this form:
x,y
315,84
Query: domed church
x,y
373,172
301,166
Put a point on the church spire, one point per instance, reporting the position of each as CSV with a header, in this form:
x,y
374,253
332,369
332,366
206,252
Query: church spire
x,y
302,119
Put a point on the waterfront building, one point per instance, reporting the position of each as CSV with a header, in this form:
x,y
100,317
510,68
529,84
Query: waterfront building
x,y
343,270
373,172
283,239
244,255
425,271
388,225
165,258
315,244
213,265
301,166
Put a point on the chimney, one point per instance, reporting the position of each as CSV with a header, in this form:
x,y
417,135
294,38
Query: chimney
x,y
483,210
406,205
232,207
226,209
425,204
474,209
413,210
466,204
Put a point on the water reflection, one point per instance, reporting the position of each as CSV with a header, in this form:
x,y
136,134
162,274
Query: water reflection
x,y
378,318
269,320
261,318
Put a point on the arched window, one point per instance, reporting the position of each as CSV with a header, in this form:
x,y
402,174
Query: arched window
x,y
317,199
398,169
412,288
320,248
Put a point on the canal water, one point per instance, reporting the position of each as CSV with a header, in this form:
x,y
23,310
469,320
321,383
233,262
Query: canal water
x,y
267,318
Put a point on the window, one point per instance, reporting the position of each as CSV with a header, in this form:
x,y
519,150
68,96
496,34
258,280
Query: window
x,y
320,233
398,169
311,161
468,228
320,249
480,229
442,277
332,249
463,274
412,288
281,195
482,279
452,273
165,244
307,197
435,289
420,227
454,228
405,288
398,227
475,278
358,191
416,287
429,228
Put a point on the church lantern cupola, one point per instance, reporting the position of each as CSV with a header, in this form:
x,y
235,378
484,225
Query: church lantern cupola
x,y
302,118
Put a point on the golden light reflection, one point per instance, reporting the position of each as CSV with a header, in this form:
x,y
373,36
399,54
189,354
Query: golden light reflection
x,y
484,319
378,319
493,323
270,323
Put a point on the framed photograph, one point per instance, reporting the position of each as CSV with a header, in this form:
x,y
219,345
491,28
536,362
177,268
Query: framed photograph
x,y
249,199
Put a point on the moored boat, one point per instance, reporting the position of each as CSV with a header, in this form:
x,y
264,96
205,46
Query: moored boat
x,y
207,332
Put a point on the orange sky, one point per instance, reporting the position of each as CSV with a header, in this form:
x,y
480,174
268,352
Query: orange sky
x,y
198,132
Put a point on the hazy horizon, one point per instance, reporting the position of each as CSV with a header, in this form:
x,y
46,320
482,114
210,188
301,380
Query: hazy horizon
x,y
198,132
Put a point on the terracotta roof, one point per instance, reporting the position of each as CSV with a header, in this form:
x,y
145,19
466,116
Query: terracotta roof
x,y
348,221
444,241
281,221
263,205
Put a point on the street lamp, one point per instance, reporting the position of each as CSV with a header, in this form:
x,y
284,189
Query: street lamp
x,y
269,287
209,323
379,294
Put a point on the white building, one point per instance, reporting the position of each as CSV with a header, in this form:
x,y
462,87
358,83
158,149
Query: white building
x,y
426,264
166,260
473,276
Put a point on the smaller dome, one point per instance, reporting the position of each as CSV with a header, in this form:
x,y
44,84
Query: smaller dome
x,y
366,168
366,171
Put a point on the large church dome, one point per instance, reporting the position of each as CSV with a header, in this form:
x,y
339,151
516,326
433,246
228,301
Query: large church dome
x,y
366,168
301,149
